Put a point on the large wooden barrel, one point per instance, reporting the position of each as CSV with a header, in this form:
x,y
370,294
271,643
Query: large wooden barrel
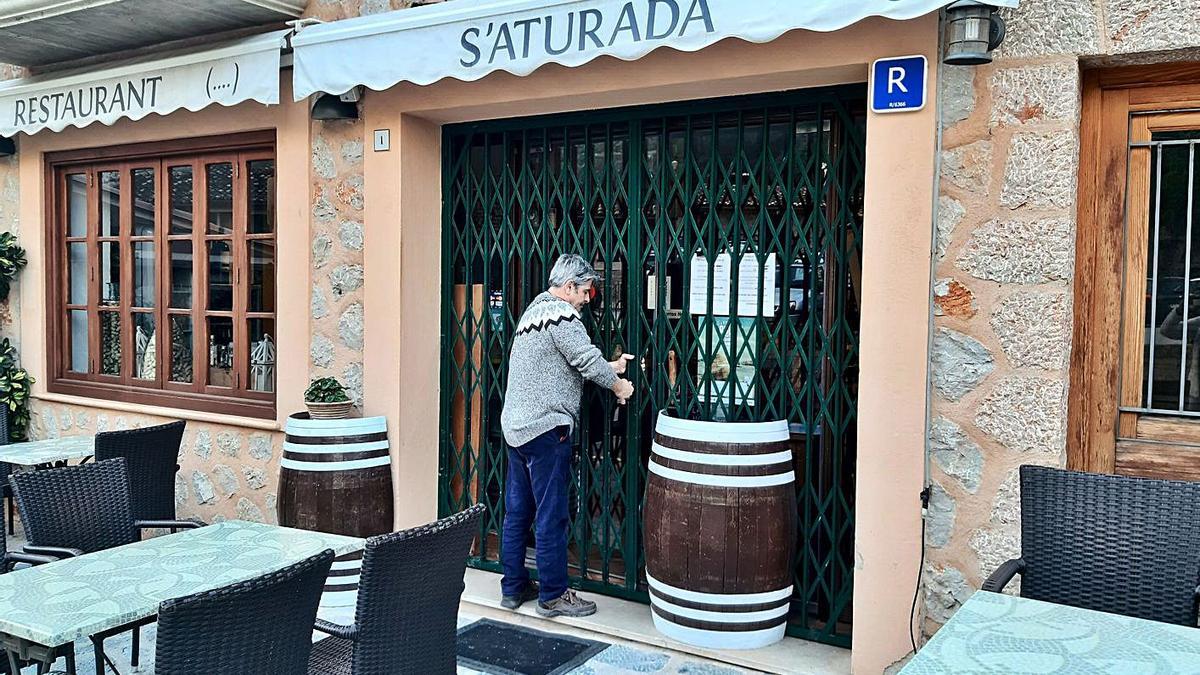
x,y
720,532
336,476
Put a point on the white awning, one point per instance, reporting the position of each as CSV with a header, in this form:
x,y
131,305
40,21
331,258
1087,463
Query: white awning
x,y
467,39
244,70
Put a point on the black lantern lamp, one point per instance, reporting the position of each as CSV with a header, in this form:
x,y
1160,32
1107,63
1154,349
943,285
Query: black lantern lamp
x,y
8,147
337,107
973,31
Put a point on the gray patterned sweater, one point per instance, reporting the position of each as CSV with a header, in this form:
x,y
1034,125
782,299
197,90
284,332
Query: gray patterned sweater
x,y
551,356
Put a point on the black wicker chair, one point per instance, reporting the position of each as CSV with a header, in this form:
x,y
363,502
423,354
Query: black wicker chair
x,y
1115,544
80,509
408,593
151,460
257,627
7,495
9,663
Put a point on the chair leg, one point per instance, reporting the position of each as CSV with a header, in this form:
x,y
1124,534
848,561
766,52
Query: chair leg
x,y
137,646
12,519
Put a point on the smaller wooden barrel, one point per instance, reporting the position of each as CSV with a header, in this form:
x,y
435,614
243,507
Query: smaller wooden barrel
x,y
720,532
336,476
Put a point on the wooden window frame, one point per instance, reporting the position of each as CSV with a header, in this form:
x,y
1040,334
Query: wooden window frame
x,y
240,149
1109,285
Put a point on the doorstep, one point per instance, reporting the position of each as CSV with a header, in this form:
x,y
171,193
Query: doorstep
x,y
630,622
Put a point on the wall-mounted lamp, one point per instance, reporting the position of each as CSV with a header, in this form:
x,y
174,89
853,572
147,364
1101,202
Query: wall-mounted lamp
x,y
973,31
337,107
8,147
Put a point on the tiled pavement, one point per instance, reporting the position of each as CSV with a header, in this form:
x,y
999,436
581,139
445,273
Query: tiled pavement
x,y
616,659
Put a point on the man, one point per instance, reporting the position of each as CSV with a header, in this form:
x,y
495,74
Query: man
x,y
551,357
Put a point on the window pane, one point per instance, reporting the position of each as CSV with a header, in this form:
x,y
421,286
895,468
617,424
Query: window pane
x,y
262,196
181,200
145,349
110,273
78,273
181,274
110,204
262,276
79,340
181,348
220,276
262,355
77,205
143,202
220,351
220,198
110,343
143,274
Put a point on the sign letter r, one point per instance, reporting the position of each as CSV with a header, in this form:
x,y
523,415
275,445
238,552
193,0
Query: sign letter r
x,y
896,80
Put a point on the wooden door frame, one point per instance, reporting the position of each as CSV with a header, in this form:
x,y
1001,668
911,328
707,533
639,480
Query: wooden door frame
x,y
1110,96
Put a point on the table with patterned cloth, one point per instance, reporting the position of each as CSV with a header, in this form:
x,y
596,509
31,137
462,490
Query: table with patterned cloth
x,y
57,603
48,451
996,633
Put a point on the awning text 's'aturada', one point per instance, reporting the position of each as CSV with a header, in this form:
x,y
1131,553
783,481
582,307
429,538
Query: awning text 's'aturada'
x,y
467,39
245,70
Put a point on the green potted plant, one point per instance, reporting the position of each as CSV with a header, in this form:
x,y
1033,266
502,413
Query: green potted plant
x,y
12,259
326,399
14,393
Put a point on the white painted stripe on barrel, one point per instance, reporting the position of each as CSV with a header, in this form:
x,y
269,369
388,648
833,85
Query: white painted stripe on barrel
x,y
722,460
719,639
335,466
722,432
719,598
720,617
334,448
343,427
342,581
715,480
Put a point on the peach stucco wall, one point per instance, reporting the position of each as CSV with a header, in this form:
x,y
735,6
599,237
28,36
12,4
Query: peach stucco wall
x,y
248,449
403,276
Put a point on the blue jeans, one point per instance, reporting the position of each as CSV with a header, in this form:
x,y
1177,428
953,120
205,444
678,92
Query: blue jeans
x,y
535,493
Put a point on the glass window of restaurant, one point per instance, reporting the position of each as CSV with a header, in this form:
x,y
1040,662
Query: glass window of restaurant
x,y
162,280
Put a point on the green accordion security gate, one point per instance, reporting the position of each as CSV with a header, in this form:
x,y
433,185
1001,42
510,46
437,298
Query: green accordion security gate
x,y
729,235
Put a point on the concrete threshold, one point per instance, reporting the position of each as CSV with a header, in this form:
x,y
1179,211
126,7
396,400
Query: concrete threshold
x,y
629,622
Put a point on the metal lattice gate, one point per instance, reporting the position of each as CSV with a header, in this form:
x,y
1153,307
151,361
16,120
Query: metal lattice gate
x,y
729,236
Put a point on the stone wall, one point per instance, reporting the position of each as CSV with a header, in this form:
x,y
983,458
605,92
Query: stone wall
x,y
225,472
1004,269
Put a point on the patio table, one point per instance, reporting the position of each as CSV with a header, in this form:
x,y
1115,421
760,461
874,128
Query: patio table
x,y
996,633
48,451
57,603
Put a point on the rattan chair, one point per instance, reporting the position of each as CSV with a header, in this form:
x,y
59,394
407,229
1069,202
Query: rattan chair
x,y
257,627
9,663
7,495
80,509
1115,544
408,593
151,460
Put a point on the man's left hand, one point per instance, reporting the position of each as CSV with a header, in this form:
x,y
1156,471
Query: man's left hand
x,y
618,366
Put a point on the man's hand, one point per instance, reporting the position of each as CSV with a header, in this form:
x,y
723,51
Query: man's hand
x,y
623,389
618,366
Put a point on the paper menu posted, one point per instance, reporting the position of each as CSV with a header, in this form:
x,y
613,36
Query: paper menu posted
x,y
698,293
748,295
749,292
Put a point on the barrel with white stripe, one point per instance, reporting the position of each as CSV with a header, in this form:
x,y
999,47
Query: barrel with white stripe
x,y
336,476
720,531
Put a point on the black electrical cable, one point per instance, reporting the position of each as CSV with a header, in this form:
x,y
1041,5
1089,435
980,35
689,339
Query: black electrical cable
x,y
912,613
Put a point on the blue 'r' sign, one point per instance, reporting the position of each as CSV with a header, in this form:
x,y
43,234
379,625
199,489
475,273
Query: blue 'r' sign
x,y
898,84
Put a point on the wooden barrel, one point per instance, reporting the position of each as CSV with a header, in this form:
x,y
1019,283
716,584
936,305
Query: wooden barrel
x,y
720,532
336,476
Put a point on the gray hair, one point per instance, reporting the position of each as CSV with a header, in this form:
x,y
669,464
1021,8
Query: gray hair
x,y
571,267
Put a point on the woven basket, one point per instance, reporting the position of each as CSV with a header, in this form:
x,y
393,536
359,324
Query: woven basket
x,y
329,411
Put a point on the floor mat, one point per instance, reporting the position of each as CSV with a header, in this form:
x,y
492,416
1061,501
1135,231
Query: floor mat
x,y
504,649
